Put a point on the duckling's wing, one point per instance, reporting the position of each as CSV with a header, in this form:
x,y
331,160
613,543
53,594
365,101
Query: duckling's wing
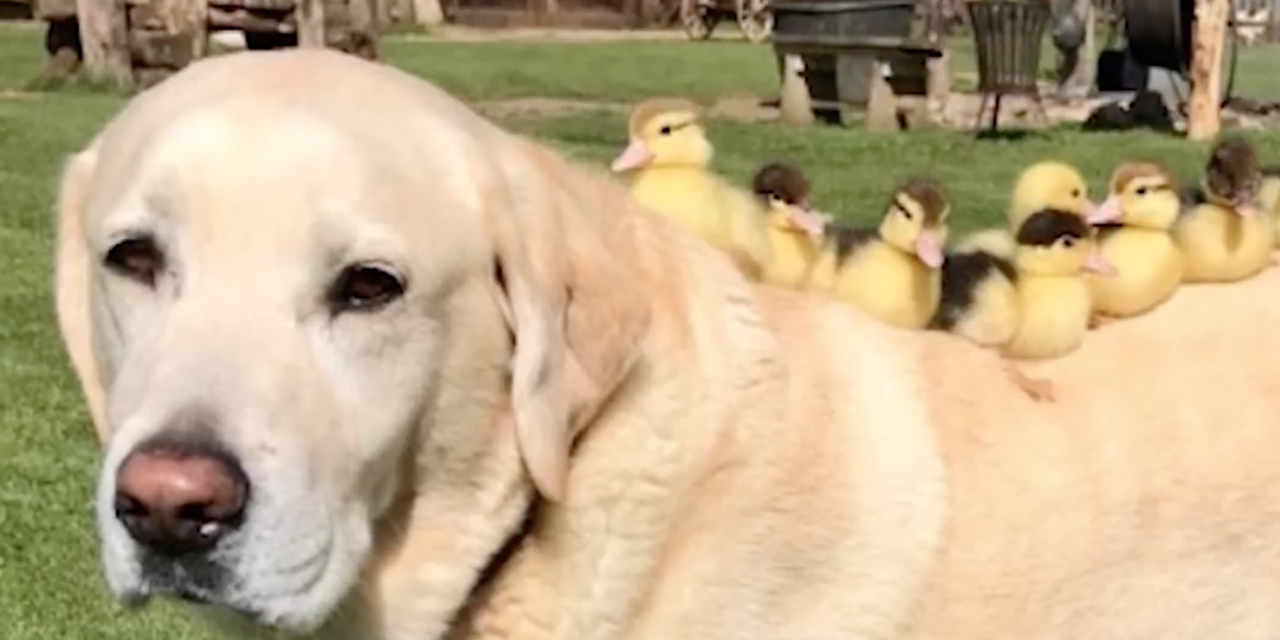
x,y
997,242
962,274
749,228
845,240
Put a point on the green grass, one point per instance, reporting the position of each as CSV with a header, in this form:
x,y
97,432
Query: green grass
x,y
50,585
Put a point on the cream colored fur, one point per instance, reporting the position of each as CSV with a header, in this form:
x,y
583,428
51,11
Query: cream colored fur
x,y
751,463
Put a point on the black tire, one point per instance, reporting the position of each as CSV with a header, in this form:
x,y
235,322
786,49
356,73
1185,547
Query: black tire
x,y
263,40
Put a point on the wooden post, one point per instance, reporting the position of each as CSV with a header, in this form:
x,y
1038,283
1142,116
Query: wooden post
x,y
1204,117
428,13
794,102
104,36
310,15
1080,66
939,68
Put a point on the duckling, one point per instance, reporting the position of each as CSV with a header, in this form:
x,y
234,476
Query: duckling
x,y
1035,305
671,155
1222,235
1140,245
1044,185
794,230
891,273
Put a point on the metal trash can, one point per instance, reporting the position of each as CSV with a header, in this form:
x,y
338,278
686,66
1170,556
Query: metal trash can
x,y
1007,36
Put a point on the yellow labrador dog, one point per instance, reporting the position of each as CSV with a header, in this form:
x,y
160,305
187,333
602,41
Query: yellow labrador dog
x,y
368,367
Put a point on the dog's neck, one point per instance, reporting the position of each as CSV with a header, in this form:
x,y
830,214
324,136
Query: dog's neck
x,y
508,569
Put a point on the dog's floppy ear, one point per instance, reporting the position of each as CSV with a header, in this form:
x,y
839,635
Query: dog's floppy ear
x,y
572,302
72,270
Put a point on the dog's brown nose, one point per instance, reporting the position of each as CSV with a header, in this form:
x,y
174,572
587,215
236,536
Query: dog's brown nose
x,y
179,499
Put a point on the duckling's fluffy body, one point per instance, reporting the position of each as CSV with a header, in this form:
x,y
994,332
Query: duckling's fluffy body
x,y
784,191
1141,246
979,299
1053,316
891,273
1034,306
670,153
1220,244
1223,236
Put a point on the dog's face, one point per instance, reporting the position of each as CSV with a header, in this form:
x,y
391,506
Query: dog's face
x,y
289,332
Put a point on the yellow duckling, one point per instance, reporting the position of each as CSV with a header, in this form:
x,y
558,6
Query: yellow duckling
x,y
671,155
1140,245
891,273
1223,236
1044,185
1034,306
794,230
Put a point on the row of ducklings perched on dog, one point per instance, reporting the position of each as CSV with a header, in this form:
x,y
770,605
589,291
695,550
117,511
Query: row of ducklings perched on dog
x,y
1025,292
1022,290
1033,305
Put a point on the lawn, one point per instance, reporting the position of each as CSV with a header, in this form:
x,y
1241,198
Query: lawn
x,y
50,586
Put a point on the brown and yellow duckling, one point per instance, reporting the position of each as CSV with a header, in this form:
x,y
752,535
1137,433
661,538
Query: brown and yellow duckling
x,y
1223,235
891,272
795,229
670,155
1140,245
1033,306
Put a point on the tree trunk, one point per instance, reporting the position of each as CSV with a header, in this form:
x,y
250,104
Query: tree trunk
x,y
1204,117
104,36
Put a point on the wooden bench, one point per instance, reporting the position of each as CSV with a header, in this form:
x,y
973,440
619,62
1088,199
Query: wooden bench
x,y
884,78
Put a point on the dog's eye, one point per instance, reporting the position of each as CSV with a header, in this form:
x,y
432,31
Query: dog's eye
x,y
138,259
364,288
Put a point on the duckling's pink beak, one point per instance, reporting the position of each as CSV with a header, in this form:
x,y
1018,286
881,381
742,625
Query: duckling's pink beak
x,y
1246,209
811,222
929,249
1107,212
1097,264
634,156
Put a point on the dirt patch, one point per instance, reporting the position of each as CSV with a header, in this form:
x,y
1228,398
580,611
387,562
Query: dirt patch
x,y
459,33
12,94
545,107
744,108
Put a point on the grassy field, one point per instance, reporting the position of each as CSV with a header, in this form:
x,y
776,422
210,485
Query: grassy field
x,y
50,586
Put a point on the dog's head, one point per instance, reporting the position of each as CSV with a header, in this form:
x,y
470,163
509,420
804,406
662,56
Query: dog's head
x,y
301,292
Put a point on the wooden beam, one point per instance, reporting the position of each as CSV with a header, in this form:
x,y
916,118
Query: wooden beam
x,y
311,20
1204,117
104,37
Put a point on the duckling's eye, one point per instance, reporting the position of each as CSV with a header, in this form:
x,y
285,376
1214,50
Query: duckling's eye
x,y
905,214
1068,242
1075,193
666,131
1142,191
773,197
